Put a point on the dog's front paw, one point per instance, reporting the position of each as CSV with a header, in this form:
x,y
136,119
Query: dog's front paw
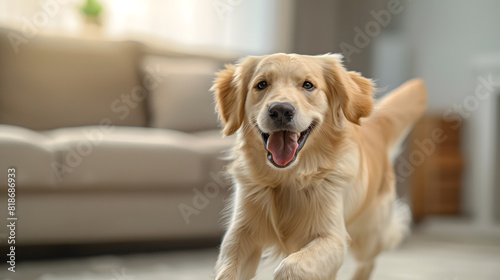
x,y
291,268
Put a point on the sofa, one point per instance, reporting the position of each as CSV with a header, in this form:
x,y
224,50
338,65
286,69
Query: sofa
x,y
111,141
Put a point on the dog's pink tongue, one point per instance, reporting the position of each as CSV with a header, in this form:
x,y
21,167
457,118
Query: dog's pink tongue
x,y
282,145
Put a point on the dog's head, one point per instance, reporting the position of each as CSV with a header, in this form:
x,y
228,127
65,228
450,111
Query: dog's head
x,y
289,98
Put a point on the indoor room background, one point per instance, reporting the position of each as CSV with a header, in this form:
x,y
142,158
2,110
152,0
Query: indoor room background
x,y
107,117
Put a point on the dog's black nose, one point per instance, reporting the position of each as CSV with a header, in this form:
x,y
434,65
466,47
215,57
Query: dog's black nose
x,y
281,112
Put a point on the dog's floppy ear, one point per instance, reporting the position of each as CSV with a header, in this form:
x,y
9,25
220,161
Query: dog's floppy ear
x,y
230,89
354,92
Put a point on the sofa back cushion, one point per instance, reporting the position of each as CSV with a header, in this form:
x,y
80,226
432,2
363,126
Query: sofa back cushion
x,y
182,100
61,82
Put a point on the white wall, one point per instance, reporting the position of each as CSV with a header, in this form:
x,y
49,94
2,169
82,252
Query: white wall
x,y
445,38
442,42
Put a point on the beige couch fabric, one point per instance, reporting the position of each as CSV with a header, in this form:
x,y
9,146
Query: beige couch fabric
x,y
128,157
30,153
90,168
54,82
183,102
120,158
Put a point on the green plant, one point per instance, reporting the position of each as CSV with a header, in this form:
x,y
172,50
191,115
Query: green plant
x,y
91,8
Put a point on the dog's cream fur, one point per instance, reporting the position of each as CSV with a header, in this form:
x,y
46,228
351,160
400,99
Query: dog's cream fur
x,y
339,193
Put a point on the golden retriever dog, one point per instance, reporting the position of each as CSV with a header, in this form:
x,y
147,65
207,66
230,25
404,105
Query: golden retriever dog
x,y
312,166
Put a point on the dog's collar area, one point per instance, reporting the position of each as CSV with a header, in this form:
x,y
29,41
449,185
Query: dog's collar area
x,y
300,141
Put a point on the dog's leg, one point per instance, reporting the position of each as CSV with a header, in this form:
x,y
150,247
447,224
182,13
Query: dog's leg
x,y
364,270
367,240
239,256
374,239
319,260
381,228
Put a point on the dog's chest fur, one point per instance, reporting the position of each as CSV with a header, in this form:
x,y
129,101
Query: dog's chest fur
x,y
294,217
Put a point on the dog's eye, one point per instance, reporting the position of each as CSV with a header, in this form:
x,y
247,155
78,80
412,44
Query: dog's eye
x,y
262,85
307,85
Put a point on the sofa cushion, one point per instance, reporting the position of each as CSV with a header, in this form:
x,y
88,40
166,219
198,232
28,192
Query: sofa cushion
x,y
127,157
59,82
30,153
183,102
217,147
117,216
212,141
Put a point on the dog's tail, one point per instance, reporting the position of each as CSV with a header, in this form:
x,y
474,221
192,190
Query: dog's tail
x,y
398,111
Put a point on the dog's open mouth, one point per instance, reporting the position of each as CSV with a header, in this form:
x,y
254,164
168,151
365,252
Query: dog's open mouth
x,y
283,146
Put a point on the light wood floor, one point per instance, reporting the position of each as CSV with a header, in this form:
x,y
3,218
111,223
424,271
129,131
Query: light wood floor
x,y
427,255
